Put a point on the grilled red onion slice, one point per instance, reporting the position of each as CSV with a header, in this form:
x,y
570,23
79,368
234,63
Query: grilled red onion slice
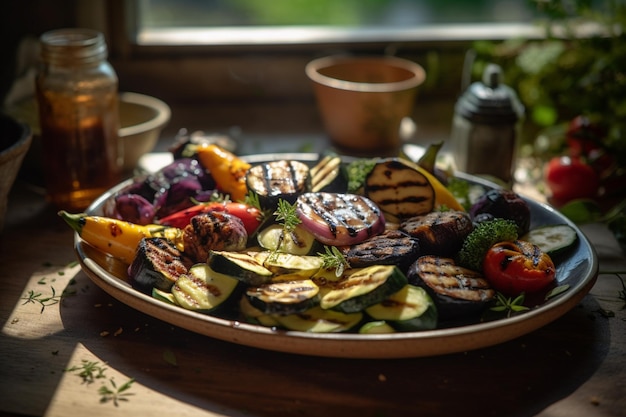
x,y
339,219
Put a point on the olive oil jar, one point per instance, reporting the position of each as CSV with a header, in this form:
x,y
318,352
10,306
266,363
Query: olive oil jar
x,y
77,96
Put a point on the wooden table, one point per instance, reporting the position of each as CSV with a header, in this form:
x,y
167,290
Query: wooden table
x,y
56,323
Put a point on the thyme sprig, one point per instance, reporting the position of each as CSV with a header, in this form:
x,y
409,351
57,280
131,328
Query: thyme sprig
x,y
509,306
90,371
35,297
333,258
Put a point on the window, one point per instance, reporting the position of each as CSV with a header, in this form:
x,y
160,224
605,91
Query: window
x,y
224,63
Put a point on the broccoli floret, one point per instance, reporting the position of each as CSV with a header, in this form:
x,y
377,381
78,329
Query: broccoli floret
x,y
484,236
357,173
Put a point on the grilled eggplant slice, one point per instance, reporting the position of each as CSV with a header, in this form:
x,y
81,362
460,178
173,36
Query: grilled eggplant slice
x,y
410,309
338,219
328,175
457,292
361,288
318,320
439,232
284,297
276,180
400,190
157,264
392,247
203,289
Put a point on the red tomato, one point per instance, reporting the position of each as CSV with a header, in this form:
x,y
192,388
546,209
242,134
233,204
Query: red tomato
x,y
515,267
249,215
570,178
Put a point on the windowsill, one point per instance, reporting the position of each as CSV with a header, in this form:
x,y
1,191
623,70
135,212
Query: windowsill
x,y
316,35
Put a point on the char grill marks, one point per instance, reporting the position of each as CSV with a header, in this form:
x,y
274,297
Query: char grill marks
x,y
213,231
392,247
346,211
439,233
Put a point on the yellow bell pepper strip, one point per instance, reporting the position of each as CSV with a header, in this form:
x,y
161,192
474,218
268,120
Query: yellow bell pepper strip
x,y
228,170
117,238
443,196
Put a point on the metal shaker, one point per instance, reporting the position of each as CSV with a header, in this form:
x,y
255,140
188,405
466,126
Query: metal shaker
x,y
486,127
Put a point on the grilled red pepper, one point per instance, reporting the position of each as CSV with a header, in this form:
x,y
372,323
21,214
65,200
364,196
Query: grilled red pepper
x,y
249,215
518,267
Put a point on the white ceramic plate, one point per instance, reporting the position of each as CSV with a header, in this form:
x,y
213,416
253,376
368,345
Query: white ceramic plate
x,y
578,269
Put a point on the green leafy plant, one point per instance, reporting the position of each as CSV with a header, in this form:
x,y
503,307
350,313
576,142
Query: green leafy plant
x,y
577,68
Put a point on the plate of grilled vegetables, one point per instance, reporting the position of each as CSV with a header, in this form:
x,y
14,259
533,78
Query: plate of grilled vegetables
x,y
333,256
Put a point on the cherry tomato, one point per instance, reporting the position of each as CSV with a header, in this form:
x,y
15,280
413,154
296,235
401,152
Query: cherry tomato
x,y
520,266
569,178
249,215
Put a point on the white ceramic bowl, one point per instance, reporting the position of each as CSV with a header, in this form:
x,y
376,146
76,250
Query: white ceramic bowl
x,y
142,118
15,139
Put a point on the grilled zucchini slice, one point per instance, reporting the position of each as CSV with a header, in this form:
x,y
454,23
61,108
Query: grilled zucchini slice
x,y
552,239
361,288
410,309
318,320
284,297
297,242
287,264
203,289
241,266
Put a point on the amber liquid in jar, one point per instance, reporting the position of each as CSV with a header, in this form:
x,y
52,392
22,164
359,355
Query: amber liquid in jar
x,y
79,119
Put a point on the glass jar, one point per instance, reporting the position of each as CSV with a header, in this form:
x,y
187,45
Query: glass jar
x,y
78,116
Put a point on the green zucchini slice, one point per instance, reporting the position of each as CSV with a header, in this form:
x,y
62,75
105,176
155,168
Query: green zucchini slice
x,y
165,296
239,265
285,263
552,239
409,309
284,297
361,288
203,289
255,316
297,242
318,320
376,327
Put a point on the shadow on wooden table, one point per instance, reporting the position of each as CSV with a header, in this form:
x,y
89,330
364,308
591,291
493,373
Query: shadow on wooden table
x,y
518,378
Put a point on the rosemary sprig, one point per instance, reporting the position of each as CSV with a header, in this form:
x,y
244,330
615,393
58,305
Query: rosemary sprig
x,y
286,215
88,371
333,258
38,298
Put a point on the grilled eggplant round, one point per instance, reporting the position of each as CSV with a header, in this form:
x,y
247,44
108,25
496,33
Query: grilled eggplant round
x,y
457,292
276,180
392,247
439,232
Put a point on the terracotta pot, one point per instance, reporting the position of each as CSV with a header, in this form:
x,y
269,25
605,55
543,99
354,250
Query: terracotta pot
x,y
363,99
